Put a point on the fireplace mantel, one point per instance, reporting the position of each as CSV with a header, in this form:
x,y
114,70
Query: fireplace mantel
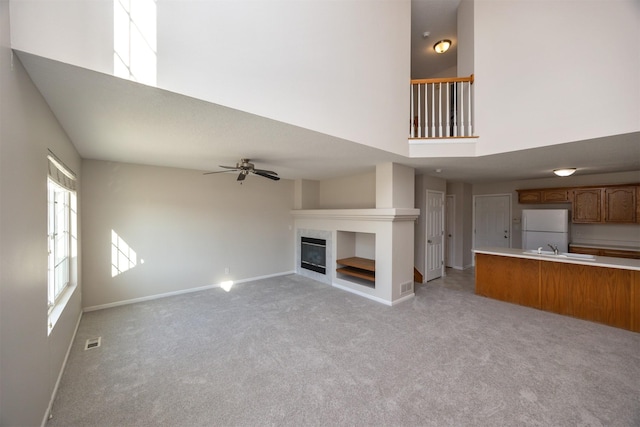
x,y
387,214
393,229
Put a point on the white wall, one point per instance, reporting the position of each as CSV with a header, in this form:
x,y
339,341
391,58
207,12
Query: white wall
x,y
30,361
187,228
350,192
554,72
337,67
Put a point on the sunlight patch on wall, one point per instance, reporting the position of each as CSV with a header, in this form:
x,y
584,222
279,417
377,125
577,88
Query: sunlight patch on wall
x,y
134,40
123,258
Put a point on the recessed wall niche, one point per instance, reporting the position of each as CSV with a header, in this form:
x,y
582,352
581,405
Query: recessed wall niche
x,y
356,254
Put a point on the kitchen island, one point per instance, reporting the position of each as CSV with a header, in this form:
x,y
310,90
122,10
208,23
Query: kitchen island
x,y
596,288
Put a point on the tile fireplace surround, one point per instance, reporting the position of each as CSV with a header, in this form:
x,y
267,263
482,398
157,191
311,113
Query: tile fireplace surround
x,y
315,234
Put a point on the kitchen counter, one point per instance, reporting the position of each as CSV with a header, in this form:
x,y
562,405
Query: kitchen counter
x,y
596,261
600,288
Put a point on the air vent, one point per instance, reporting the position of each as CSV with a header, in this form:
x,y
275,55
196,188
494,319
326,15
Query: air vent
x,y
92,343
406,287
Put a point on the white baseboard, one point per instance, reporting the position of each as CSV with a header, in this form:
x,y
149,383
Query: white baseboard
x,y
373,297
180,292
64,365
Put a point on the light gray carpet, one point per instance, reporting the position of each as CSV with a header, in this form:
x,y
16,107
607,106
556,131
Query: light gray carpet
x,y
292,351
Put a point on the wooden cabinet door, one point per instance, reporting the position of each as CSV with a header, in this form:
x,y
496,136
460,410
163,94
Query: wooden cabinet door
x,y
638,203
587,205
584,250
620,204
529,196
555,195
621,253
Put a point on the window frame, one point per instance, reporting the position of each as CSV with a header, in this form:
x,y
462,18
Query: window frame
x,y
62,236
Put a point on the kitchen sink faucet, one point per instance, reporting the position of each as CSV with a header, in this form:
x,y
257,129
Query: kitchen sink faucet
x,y
553,248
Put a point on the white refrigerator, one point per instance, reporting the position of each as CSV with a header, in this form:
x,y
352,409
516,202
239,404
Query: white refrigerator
x,y
543,227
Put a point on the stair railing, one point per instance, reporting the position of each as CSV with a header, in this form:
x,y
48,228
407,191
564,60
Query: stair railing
x,y
442,108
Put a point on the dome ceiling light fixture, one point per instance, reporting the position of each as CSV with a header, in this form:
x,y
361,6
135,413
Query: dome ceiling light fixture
x,y
564,171
442,46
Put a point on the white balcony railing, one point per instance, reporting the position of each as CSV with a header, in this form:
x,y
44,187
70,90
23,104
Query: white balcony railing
x,y
442,108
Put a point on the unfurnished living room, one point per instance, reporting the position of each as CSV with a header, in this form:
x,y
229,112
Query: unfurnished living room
x,y
317,212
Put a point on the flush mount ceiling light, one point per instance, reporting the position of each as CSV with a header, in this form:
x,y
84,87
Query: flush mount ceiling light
x,y
564,172
442,46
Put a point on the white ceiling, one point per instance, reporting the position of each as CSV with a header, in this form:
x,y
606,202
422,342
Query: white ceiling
x,y
108,118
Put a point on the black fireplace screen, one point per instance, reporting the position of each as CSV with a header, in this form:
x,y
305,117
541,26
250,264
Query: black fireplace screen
x,y
313,254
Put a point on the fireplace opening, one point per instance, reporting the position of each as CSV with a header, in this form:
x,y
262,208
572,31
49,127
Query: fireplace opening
x,y
313,254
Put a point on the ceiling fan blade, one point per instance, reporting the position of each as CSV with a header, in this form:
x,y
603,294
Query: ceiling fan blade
x,y
209,173
242,176
258,171
228,167
275,178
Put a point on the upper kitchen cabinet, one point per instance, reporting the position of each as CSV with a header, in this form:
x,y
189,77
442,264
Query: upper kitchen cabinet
x,y
620,204
605,204
544,195
587,205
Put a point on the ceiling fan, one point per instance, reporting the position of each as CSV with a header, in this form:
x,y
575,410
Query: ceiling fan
x,y
245,167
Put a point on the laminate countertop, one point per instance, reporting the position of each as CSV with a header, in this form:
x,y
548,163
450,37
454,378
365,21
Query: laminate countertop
x,y
569,258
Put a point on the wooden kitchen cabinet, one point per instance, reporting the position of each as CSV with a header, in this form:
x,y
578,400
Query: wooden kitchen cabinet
x,y
587,205
638,203
595,293
604,204
620,204
555,195
545,195
616,253
529,196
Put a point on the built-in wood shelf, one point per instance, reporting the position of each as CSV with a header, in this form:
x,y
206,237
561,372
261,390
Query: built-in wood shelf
x,y
361,268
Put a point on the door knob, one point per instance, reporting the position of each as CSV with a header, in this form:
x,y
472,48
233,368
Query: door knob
x,y
429,241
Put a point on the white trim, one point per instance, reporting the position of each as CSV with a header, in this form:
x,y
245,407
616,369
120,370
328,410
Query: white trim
x,y
373,297
180,292
386,214
64,365
362,294
59,306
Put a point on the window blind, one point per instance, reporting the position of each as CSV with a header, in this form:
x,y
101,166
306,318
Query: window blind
x,y
60,174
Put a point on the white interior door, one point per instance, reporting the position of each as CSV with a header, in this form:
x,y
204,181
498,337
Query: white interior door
x,y
435,235
450,231
492,221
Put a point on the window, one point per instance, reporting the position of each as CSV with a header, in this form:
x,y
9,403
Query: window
x,y
62,225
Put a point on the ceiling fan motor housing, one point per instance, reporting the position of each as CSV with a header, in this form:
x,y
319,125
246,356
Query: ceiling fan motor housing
x,y
244,164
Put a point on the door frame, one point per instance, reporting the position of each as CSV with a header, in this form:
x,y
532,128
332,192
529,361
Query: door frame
x,y
426,239
473,236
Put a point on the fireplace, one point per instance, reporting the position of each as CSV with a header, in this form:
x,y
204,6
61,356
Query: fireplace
x,y
313,254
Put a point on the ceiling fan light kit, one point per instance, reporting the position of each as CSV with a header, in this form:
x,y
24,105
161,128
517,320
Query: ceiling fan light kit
x,y
244,166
